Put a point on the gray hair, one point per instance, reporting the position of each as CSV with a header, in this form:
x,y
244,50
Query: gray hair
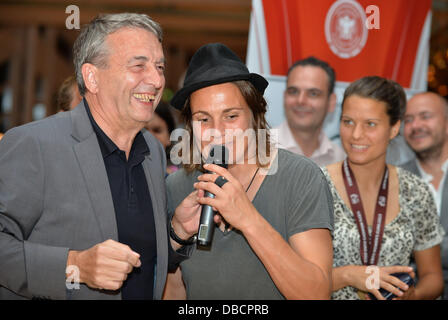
x,y
89,47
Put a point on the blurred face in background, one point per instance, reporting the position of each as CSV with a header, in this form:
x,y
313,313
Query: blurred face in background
x,y
159,129
426,123
365,129
75,96
68,95
307,99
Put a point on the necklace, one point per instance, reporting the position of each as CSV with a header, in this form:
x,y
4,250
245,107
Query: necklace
x,y
226,224
252,180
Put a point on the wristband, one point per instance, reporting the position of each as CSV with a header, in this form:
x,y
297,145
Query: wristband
x,y
183,242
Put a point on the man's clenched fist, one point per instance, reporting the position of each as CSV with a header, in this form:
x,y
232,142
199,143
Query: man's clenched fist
x,y
105,265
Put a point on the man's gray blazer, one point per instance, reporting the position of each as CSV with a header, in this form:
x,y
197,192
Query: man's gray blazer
x,y
55,197
412,167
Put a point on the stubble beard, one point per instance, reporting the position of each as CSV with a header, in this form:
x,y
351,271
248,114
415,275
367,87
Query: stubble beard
x,y
432,152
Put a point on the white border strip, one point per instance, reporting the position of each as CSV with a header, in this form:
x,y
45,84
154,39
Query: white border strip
x,y
420,73
257,58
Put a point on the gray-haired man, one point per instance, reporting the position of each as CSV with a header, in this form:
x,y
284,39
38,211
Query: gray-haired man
x,y
83,192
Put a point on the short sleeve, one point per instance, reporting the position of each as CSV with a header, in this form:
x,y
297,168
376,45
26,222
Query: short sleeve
x,y
311,202
428,230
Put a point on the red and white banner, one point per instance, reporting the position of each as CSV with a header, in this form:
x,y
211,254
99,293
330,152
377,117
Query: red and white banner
x,y
388,38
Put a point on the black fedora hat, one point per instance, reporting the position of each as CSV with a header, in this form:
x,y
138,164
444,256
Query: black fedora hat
x,y
214,63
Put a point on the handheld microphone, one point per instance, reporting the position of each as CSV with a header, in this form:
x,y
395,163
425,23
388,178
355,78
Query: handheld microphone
x,y
218,155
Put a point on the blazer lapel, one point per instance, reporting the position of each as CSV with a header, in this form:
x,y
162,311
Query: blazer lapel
x,y
91,162
160,224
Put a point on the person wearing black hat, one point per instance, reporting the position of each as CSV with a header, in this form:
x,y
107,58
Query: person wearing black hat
x,y
272,238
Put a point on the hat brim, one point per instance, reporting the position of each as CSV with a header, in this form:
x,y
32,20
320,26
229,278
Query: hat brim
x,y
178,100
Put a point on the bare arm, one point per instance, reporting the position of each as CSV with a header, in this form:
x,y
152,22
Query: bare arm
x,y
301,269
185,221
340,277
175,287
430,277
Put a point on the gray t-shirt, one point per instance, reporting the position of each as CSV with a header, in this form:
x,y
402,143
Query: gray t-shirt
x,y
294,199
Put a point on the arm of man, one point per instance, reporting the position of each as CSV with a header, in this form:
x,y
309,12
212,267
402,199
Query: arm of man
x,y
105,265
28,269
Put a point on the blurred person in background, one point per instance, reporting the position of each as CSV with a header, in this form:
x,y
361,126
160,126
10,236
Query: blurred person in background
x,y
68,95
161,125
308,98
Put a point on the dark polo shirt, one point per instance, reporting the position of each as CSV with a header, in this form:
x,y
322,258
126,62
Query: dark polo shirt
x,y
133,209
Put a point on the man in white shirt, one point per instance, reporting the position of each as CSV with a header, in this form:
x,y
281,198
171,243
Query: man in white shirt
x,y
307,100
426,132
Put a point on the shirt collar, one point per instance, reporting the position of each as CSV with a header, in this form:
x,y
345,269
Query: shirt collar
x,y
140,146
288,141
286,138
428,177
445,166
325,145
424,175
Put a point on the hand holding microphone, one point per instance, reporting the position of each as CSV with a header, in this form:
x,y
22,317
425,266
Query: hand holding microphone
x,y
230,199
219,156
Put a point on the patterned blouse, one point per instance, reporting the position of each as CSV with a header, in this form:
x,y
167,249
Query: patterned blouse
x,y
416,227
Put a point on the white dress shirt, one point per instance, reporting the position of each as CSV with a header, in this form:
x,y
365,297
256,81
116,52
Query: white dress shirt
x,y
327,152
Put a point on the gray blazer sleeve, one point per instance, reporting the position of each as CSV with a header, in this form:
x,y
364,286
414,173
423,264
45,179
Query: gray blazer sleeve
x,y
26,268
444,221
444,251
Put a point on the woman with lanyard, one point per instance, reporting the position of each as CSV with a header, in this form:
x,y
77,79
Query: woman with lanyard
x,y
383,214
274,240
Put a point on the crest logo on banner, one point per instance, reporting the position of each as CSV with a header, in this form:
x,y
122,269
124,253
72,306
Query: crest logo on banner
x,y
345,29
